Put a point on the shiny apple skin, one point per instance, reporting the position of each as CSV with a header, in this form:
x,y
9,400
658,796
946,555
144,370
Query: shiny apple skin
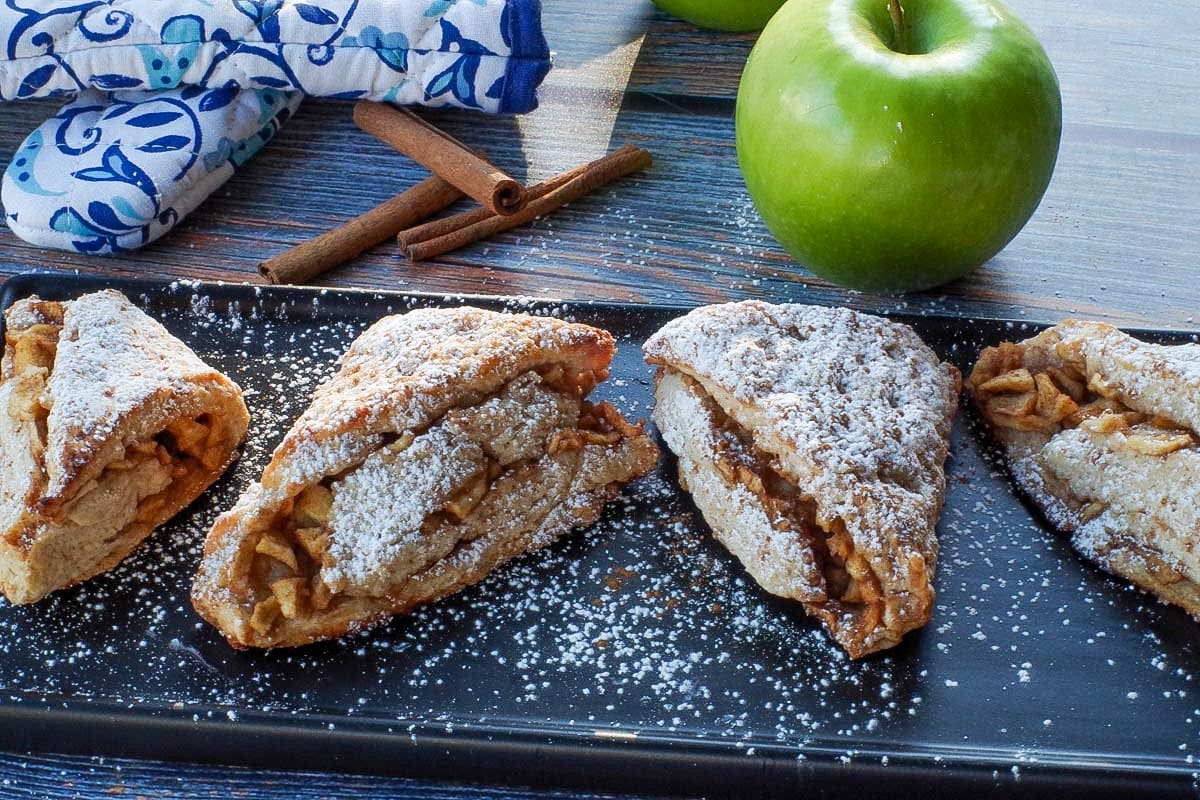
x,y
889,172
722,15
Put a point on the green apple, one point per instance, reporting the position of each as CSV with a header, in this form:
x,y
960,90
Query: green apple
x,y
896,146
723,15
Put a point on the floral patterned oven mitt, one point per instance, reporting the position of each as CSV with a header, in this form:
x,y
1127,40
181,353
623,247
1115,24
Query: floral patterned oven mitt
x,y
173,95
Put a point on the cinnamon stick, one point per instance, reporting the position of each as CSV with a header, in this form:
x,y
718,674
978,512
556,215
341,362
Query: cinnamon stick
x,y
445,225
309,259
468,228
441,154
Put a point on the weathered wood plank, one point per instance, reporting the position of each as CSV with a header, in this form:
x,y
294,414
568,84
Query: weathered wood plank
x,y
1111,238
43,777
1111,234
1120,64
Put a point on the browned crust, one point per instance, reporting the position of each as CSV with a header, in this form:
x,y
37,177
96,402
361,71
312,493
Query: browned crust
x,y
869,458
77,451
406,371
403,374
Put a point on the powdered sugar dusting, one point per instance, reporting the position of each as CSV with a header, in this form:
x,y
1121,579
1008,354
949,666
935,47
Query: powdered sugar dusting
x,y
111,359
1145,497
1130,511
377,539
407,370
855,408
378,508
641,628
1151,378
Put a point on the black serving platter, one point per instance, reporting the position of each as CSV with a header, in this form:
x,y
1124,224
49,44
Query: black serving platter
x,y
635,656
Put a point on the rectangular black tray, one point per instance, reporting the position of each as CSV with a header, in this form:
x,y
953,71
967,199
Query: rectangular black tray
x,y
635,656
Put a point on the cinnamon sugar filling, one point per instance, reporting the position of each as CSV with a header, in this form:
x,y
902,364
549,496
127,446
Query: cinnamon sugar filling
x,y
848,577
291,553
1045,390
182,450
33,351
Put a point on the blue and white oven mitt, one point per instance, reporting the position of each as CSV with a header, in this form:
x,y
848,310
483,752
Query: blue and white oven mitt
x,y
174,95
113,171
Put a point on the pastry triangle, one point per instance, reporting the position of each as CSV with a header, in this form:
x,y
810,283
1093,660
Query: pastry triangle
x,y
1102,432
109,426
449,442
812,440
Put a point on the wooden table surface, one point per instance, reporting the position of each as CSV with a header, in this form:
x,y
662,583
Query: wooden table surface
x,y
1117,236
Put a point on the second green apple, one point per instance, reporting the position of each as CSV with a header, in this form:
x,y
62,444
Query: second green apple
x,y
896,146
722,15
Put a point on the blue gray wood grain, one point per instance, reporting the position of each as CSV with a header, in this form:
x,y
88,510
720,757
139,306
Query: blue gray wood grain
x,y
39,777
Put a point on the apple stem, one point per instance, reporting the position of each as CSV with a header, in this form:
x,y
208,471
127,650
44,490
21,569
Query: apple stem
x,y
900,25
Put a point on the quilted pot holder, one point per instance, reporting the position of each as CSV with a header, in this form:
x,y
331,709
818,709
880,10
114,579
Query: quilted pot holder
x,y
174,95
112,172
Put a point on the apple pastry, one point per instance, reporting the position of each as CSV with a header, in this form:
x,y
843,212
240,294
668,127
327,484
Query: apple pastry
x,y
1100,430
109,426
449,442
813,442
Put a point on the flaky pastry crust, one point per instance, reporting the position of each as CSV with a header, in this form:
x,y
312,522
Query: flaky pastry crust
x,y
813,440
449,441
1102,432
109,426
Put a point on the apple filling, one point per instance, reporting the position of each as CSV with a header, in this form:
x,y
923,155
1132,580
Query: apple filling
x,y
850,585
1043,388
138,480
1037,389
1076,412
424,494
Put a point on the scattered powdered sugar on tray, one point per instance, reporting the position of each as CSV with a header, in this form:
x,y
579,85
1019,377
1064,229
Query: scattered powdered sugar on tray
x,y
641,624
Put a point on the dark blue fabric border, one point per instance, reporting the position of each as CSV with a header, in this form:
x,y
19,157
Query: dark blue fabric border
x,y
530,59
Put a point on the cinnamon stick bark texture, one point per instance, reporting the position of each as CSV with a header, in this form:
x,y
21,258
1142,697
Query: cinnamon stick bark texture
x,y
310,259
443,155
440,227
461,230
